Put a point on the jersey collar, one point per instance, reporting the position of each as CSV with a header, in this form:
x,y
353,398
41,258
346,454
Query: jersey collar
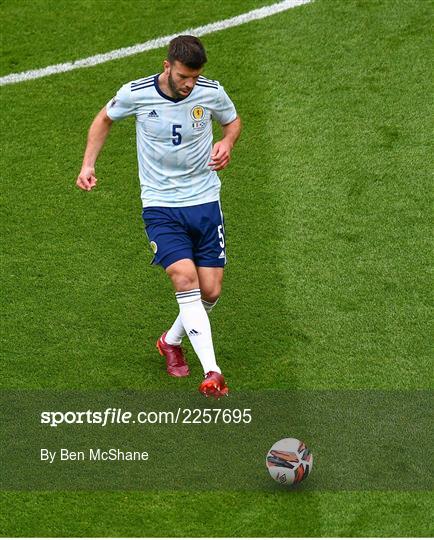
x,y
165,96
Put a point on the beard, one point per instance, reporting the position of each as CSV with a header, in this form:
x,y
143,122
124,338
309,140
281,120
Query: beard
x,y
174,88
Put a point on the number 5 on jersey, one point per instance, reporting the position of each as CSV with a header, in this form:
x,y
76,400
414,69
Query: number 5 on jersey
x,y
176,136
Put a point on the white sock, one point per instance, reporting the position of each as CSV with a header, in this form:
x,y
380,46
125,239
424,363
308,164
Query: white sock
x,y
209,305
195,321
176,333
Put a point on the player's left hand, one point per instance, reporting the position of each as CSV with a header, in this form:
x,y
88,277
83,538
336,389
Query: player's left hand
x,y
220,155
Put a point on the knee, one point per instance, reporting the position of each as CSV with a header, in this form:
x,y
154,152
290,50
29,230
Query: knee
x,y
210,280
184,282
183,276
211,295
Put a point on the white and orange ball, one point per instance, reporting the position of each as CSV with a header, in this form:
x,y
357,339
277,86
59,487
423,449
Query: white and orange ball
x,y
289,461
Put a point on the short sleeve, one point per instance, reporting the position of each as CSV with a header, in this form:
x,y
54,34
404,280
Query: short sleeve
x,y
121,105
224,111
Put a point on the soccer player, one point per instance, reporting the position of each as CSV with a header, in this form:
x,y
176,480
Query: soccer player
x,y
180,190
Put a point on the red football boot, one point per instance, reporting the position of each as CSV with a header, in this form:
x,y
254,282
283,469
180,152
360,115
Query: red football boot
x,y
214,385
176,363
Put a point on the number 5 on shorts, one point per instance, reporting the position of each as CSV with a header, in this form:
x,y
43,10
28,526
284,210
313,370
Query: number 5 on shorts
x,y
221,236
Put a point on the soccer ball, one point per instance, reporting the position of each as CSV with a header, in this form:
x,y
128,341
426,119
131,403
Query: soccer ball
x,y
289,461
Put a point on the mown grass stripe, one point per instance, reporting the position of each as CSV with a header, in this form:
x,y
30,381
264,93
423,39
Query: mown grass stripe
x,y
156,43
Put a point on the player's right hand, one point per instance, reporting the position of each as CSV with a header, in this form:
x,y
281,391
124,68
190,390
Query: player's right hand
x,y
86,180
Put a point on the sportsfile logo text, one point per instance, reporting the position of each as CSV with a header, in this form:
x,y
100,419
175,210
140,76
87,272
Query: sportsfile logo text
x,y
113,416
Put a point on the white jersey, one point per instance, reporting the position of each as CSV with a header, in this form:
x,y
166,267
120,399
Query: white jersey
x,y
174,139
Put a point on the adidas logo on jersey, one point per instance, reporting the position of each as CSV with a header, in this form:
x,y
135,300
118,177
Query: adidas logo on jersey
x,y
153,114
222,255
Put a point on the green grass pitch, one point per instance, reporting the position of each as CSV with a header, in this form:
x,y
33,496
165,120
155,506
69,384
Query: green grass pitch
x,y
327,206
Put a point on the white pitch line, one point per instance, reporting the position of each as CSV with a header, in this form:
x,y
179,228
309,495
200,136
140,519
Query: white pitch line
x,y
156,43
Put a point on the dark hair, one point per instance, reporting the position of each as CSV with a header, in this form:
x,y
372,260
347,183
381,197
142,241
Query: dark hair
x,y
188,50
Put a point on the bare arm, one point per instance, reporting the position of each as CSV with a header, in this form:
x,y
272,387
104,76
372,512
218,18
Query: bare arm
x,y
221,152
97,135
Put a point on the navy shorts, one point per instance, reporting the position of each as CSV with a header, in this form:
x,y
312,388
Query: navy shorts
x,y
190,232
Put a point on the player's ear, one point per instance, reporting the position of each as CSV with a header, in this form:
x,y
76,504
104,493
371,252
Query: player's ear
x,y
166,65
